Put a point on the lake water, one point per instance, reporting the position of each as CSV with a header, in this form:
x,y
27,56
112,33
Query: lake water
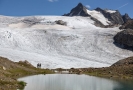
x,y
73,82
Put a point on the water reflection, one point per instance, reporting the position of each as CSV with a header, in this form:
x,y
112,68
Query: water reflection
x,y
72,82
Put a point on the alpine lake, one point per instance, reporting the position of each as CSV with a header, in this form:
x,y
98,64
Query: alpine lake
x,y
74,82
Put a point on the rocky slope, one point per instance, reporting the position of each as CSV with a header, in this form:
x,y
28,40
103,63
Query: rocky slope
x,y
127,61
122,69
10,71
128,24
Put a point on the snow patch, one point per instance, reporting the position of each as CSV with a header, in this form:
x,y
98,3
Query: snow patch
x,y
99,16
110,11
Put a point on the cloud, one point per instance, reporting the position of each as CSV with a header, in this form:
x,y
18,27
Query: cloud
x,y
123,6
88,6
52,0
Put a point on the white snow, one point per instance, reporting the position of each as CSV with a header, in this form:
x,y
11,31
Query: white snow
x,y
111,11
99,16
79,44
18,25
79,13
48,21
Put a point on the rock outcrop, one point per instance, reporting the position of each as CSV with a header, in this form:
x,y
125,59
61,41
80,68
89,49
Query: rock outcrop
x,y
125,38
60,22
126,17
127,61
128,24
25,63
31,20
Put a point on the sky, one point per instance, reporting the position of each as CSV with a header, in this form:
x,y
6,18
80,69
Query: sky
x,y
60,7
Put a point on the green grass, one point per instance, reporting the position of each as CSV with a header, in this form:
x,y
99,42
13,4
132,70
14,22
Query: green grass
x,y
22,84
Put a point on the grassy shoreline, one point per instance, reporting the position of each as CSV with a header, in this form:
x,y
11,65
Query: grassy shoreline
x,y
11,71
120,72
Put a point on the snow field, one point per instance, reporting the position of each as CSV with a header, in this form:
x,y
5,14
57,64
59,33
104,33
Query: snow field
x,y
79,44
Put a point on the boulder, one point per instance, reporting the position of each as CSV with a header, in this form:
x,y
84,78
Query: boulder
x,y
4,68
60,22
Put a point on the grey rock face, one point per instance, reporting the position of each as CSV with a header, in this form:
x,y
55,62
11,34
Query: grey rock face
x,y
126,17
79,10
125,38
128,24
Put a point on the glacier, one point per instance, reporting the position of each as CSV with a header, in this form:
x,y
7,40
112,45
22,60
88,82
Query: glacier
x,y
79,44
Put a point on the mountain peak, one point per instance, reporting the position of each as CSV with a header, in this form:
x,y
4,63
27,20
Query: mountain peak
x,y
98,9
79,10
126,17
80,5
102,17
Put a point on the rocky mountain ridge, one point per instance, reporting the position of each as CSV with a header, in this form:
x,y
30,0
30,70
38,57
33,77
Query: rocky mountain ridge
x,y
79,10
126,17
113,17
